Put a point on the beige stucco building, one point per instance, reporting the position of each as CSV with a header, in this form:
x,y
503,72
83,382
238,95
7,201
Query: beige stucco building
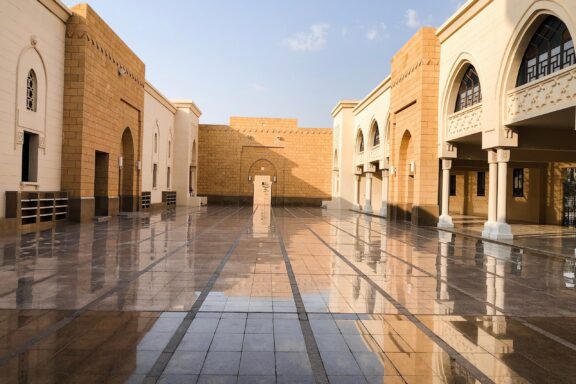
x,y
32,98
85,134
506,113
498,111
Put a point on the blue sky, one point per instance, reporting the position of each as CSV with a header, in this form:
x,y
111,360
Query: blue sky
x,y
263,58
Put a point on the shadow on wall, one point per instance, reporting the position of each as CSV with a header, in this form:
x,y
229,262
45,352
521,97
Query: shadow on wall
x,y
298,163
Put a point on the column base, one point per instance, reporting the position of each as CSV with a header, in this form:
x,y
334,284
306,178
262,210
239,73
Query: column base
x,y
356,207
445,221
368,207
384,210
497,231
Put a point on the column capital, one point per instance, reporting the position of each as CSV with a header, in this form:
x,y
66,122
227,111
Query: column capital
x,y
368,175
369,168
502,155
357,177
446,164
492,159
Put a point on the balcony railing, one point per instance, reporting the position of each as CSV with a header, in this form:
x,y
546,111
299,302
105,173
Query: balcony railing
x,y
375,154
549,94
465,122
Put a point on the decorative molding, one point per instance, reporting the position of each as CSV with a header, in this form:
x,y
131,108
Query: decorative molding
x,y
549,94
465,122
375,154
19,137
402,76
106,54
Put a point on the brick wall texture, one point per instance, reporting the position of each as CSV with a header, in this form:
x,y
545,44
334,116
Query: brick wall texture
x,y
299,158
413,132
99,105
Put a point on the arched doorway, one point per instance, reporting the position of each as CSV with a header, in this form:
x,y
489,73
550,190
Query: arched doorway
x,y
127,169
260,169
406,177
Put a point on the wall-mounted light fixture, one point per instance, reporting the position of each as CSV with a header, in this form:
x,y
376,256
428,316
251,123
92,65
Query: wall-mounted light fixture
x,y
274,179
249,178
120,162
139,165
412,168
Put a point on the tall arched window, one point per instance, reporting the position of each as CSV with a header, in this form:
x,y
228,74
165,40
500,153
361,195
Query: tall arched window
x,y
469,92
31,91
375,135
551,49
360,142
169,149
155,143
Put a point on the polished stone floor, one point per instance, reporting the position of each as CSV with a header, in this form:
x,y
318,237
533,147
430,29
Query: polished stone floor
x,y
288,295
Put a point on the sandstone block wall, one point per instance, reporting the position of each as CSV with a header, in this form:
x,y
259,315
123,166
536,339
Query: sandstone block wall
x,y
413,133
299,158
104,96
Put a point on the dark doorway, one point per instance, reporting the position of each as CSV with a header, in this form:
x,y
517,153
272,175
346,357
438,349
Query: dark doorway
x,y
127,170
101,184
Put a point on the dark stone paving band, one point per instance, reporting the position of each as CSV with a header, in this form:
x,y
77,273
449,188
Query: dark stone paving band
x,y
121,285
453,353
311,346
164,358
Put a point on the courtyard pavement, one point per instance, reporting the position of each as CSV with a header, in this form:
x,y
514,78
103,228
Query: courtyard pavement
x,y
286,295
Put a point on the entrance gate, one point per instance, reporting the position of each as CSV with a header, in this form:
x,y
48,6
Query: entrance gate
x,y
262,190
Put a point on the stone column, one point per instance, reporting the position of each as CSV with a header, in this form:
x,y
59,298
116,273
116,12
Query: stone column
x,y
492,193
357,192
445,220
501,230
368,202
384,208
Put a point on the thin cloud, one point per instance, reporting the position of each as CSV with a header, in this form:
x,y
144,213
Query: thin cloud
x,y
380,32
313,40
411,19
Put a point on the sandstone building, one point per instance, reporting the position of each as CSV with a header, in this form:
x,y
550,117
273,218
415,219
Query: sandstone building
x,y
295,159
86,134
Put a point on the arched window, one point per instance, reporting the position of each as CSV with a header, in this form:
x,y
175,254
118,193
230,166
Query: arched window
x,y
551,49
469,92
360,142
375,135
169,149
31,91
155,143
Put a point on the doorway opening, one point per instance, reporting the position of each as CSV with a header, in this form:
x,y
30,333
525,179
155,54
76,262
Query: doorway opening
x,y
101,184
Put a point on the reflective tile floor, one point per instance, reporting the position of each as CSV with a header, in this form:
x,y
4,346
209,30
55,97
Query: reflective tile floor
x,y
288,295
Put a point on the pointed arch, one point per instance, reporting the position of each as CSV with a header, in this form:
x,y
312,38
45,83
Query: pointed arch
x,y
550,49
469,92
359,141
518,43
374,134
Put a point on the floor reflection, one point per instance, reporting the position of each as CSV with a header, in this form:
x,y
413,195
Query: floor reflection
x,y
99,302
